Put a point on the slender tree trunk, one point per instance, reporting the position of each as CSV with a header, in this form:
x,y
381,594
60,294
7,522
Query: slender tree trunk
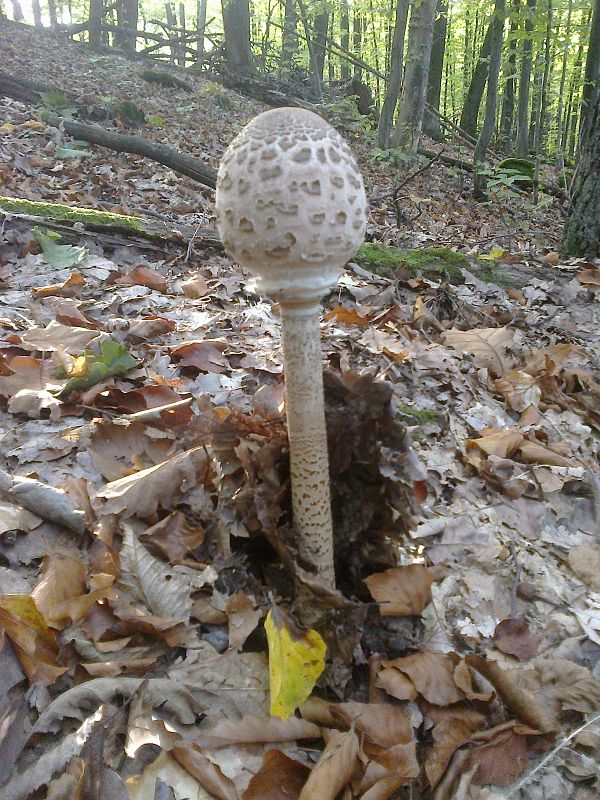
x,y
52,13
95,19
507,115
375,42
127,21
18,15
542,121
560,120
491,100
289,42
470,110
522,144
431,123
414,91
357,35
395,76
181,48
172,23
320,27
592,64
236,24
467,67
37,13
311,50
200,29
582,230
345,39
574,106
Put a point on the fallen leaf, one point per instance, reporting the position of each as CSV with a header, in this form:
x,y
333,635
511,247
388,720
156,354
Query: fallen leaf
x,y
174,537
279,778
296,659
334,769
253,730
401,591
512,636
243,617
205,356
190,756
59,256
142,276
452,727
490,347
432,674
585,563
72,287
504,758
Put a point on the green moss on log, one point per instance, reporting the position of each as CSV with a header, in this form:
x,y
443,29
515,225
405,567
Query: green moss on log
x,y
166,79
384,260
56,211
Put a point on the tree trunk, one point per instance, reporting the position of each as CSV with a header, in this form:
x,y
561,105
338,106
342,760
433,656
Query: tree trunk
x,y
320,27
181,48
127,22
18,15
395,77
592,65
560,117
431,123
524,82
414,91
491,100
541,123
582,230
470,110
507,115
172,23
52,14
37,13
236,25
200,29
357,33
289,42
95,20
345,39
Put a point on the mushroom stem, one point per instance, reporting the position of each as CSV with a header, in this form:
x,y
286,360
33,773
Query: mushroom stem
x,y
309,462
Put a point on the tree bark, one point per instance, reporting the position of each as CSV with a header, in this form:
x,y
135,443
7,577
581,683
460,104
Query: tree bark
x,y
491,101
345,39
470,110
414,91
200,28
522,144
37,13
236,24
395,77
431,123
507,114
357,34
127,16
560,117
289,43
592,65
52,14
95,19
18,15
582,230
320,27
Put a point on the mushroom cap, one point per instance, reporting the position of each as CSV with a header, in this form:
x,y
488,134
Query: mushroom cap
x,y
291,204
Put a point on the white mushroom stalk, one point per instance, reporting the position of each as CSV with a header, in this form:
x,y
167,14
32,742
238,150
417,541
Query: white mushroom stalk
x,y
291,208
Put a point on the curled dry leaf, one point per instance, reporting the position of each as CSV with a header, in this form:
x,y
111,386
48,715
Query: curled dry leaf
x,y
150,327
166,771
512,636
381,723
252,730
205,356
334,769
396,684
55,336
453,727
17,518
142,493
35,644
401,591
72,287
389,770
142,276
432,674
490,347
174,537
63,577
243,617
279,778
190,756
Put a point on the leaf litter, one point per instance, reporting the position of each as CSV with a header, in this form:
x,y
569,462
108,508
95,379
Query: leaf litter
x,y
463,642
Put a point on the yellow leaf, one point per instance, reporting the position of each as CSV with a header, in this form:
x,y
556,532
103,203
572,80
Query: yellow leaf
x,y
296,659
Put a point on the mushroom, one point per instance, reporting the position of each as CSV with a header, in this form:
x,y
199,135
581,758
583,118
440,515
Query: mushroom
x,y
291,209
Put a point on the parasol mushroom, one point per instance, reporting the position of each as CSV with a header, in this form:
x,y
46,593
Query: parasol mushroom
x,y
291,209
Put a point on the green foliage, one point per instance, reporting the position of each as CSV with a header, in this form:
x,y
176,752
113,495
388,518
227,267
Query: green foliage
x,y
92,368
165,79
155,120
129,112
519,166
217,95
384,260
392,157
56,101
344,114
59,256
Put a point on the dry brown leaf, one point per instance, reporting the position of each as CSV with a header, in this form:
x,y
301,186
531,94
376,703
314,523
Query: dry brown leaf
x,y
25,373
346,316
585,563
142,493
59,337
72,287
382,723
401,591
171,774
174,537
205,356
388,770
465,679
334,769
150,327
195,288
142,276
243,617
490,347
190,756
453,727
396,684
498,443
512,636
63,577
432,674
520,389
279,778
505,757
252,730
16,518
534,453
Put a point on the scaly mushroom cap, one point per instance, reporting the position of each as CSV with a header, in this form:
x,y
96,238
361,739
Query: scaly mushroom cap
x,y
291,204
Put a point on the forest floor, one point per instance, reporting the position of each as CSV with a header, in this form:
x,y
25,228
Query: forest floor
x,y
146,381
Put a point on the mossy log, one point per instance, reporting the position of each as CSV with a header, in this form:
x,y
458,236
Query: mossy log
x,y
56,215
